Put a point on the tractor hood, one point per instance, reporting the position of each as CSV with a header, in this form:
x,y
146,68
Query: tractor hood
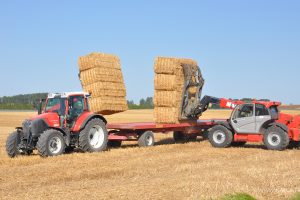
x,y
50,118
38,124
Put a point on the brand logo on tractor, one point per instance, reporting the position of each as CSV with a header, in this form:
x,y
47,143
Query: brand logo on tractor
x,y
230,105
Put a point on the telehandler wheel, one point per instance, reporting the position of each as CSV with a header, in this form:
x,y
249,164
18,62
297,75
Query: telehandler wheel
x,y
238,144
93,138
276,139
219,136
12,142
51,143
114,143
146,139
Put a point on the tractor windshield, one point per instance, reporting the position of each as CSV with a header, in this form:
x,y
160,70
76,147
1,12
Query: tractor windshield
x,y
56,105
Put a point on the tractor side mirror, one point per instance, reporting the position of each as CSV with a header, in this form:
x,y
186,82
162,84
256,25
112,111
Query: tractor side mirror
x,y
40,106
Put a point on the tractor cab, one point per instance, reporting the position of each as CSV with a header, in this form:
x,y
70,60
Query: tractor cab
x,y
67,106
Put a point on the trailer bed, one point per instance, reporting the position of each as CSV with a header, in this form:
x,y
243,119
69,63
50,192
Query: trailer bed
x,y
151,126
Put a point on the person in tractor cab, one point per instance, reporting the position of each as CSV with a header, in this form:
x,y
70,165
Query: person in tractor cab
x,y
76,105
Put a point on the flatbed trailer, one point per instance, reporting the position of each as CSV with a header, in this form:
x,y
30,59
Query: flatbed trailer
x,y
134,131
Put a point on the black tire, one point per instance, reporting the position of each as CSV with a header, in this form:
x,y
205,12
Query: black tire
x,y
146,139
238,144
276,139
88,141
219,136
294,145
12,142
51,143
205,134
192,137
114,143
180,137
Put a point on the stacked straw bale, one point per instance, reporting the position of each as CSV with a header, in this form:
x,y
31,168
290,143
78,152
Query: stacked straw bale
x,y
100,75
168,85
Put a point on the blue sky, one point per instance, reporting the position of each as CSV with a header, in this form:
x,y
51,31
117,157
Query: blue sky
x,y
244,48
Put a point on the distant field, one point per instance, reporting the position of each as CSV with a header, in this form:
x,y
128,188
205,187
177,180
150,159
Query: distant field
x,y
165,171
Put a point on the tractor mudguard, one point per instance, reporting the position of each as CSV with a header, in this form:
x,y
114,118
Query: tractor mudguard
x,y
84,119
282,126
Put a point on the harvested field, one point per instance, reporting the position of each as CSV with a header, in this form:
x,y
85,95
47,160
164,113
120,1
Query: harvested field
x,y
165,171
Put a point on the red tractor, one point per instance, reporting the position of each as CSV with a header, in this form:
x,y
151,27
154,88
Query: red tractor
x,y
65,122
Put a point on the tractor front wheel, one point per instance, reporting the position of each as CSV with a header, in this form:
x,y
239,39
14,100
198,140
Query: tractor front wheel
x,y
276,139
12,143
94,136
219,136
51,143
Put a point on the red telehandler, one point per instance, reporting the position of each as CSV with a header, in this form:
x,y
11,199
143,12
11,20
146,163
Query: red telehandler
x,y
255,121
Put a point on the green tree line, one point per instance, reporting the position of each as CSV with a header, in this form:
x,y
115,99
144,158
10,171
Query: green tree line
x,y
21,102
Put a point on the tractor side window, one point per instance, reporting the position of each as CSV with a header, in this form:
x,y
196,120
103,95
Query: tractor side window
x,y
261,110
76,105
245,111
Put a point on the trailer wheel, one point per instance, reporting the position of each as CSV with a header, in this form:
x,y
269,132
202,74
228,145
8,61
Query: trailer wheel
x,y
51,143
93,138
276,139
238,144
12,144
219,136
114,143
146,139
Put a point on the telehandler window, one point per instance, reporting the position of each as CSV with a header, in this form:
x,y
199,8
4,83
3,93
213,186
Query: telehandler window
x,y
245,111
261,110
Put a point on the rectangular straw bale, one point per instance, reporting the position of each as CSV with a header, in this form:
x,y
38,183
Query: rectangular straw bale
x,y
101,74
165,65
166,115
98,60
164,82
106,89
108,105
167,98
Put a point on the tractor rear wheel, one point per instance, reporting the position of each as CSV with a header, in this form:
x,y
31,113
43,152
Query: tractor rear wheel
x,y
146,139
276,139
51,143
219,136
12,143
94,136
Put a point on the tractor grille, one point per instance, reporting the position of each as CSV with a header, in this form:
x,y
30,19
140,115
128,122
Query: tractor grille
x,y
26,127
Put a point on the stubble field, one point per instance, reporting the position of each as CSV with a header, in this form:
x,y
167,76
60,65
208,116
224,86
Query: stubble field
x,y
165,171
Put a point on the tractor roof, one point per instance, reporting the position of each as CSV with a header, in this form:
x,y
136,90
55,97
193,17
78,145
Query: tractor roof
x,y
67,94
